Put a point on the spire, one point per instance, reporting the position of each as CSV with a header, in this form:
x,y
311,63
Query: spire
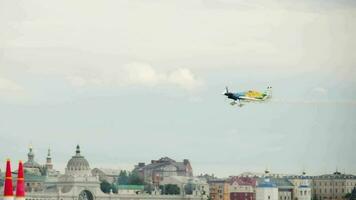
x,y
20,186
8,190
77,152
30,154
267,172
49,164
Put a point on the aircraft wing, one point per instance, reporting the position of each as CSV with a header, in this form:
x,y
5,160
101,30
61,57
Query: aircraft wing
x,y
249,98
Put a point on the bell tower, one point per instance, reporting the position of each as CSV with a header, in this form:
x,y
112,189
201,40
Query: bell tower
x,y
49,164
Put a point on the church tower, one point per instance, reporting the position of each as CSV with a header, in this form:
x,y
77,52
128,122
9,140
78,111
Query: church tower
x,y
304,190
30,154
49,164
31,163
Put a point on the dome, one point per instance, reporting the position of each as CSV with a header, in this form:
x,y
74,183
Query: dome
x,y
78,165
31,163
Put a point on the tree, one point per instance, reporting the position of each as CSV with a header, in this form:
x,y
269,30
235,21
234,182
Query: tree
x,y
353,194
114,188
123,178
315,197
347,196
105,186
170,189
135,179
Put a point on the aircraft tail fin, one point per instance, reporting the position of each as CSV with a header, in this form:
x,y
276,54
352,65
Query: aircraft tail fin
x,y
269,92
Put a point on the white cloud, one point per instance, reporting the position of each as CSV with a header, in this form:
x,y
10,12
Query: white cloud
x,y
10,90
184,78
320,91
9,86
136,73
142,74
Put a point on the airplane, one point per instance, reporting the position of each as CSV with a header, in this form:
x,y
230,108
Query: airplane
x,y
248,96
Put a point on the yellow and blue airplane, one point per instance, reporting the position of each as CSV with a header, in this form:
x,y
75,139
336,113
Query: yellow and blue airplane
x,y
248,96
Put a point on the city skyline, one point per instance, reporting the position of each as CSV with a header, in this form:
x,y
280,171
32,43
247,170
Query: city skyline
x,y
130,166
133,80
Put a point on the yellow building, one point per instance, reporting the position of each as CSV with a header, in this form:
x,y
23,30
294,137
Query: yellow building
x,y
332,186
219,189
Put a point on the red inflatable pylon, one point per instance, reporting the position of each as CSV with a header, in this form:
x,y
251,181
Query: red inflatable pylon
x,y
20,186
8,190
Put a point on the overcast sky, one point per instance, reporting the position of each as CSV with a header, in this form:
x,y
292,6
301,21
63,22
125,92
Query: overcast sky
x,y
131,81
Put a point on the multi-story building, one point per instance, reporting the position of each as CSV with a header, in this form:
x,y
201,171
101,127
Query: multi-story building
x,y
302,188
283,185
332,186
266,190
154,172
219,189
242,188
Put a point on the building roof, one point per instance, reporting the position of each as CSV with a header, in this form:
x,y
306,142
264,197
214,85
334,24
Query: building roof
x,y
265,183
217,180
275,182
108,172
335,175
34,178
162,162
247,181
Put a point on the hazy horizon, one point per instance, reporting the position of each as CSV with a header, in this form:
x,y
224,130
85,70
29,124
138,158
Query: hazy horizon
x,y
133,80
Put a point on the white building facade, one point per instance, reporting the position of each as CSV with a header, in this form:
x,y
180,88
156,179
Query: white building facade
x,y
266,190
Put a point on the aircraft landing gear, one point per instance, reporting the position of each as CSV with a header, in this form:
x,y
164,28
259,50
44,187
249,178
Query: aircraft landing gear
x,y
239,104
